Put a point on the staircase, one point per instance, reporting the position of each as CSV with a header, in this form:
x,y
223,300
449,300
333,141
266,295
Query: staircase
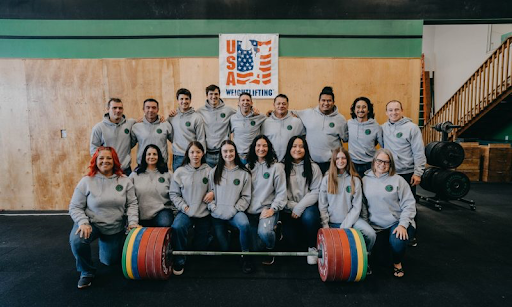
x,y
482,93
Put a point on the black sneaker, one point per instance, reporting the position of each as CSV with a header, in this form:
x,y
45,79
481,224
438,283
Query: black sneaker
x,y
84,282
268,260
279,231
247,266
178,269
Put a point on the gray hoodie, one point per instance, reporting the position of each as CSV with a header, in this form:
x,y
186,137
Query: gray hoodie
x,y
301,195
188,127
232,195
405,141
188,188
216,121
362,138
268,188
152,191
103,202
390,200
245,129
107,133
323,132
342,207
156,133
280,130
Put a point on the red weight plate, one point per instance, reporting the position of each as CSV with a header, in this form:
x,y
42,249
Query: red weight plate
x,y
339,254
347,260
335,250
141,259
163,269
331,254
150,250
323,263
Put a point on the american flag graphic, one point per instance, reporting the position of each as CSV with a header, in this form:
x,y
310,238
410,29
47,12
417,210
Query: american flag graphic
x,y
253,65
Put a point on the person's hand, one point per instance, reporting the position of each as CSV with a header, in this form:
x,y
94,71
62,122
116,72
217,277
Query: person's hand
x,y
266,213
131,226
84,230
208,198
269,112
173,113
401,233
162,119
186,208
255,111
415,180
295,216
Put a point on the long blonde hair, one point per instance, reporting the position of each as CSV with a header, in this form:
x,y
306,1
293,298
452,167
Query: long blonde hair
x,y
332,179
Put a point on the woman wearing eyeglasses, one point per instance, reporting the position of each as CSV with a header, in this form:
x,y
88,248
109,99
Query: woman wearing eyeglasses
x,y
391,205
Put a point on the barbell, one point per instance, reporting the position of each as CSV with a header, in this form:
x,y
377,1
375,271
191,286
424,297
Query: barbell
x,y
342,256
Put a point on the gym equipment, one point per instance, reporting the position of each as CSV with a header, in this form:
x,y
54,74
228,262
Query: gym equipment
x,y
342,254
447,184
444,154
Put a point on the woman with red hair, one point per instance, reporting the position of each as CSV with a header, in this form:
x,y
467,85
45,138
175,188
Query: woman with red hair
x,y
99,203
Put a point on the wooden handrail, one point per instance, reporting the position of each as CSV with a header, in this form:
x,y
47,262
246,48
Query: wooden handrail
x,y
490,84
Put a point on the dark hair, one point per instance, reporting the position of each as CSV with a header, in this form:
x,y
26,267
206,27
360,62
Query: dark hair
x,y
281,96
186,160
288,159
326,91
113,100
270,158
161,166
149,100
246,94
220,166
368,103
212,88
401,107
183,91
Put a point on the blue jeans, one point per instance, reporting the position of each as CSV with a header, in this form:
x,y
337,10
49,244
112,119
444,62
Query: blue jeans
x,y
304,228
176,161
243,158
361,168
180,227
212,158
369,234
398,247
111,247
164,218
262,231
239,221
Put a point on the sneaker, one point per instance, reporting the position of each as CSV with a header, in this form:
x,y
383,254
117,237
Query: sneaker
x,y
312,260
178,269
413,242
84,282
268,260
247,266
279,231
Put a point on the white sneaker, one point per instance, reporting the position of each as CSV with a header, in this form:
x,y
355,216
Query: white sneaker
x,y
312,259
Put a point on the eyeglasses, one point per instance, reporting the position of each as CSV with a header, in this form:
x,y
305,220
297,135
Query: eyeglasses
x,y
380,162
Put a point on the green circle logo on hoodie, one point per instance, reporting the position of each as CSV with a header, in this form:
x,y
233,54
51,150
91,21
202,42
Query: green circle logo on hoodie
x,y
331,125
389,188
253,123
266,175
222,115
126,131
158,130
187,124
119,188
349,189
399,135
236,181
161,180
205,180
289,127
367,131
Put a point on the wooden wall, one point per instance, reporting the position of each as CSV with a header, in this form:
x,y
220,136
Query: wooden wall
x,y
39,98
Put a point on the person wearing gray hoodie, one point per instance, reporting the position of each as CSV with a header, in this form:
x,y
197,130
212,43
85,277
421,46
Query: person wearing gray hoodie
x,y
391,205
190,193
114,131
216,116
268,194
188,126
231,183
326,129
363,134
99,204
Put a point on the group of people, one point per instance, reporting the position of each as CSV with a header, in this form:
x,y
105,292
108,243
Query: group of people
x,y
265,176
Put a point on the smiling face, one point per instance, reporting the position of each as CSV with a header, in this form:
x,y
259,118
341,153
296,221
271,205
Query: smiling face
x,y
184,102
105,163
213,97
394,111
151,157
381,164
245,104
341,161
228,153
361,110
115,111
297,152
261,149
326,104
281,107
151,111
195,154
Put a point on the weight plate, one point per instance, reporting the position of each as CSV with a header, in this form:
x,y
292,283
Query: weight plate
x,y
339,254
347,259
125,248
324,243
129,253
162,264
141,257
150,249
335,261
353,255
359,254
365,254
135,253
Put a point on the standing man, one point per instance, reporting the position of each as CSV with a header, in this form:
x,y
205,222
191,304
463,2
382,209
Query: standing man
x,y
188,126
216,116
151,130
280,126
245,125
326,129
363,134
114,131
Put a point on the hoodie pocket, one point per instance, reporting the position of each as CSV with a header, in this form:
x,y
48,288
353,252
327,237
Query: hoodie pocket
x,y
224,212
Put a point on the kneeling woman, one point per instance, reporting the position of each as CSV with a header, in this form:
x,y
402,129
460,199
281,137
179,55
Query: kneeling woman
x,y
268,194
189,193
303,177
98,206
341,197
151,180
230,181
391,205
